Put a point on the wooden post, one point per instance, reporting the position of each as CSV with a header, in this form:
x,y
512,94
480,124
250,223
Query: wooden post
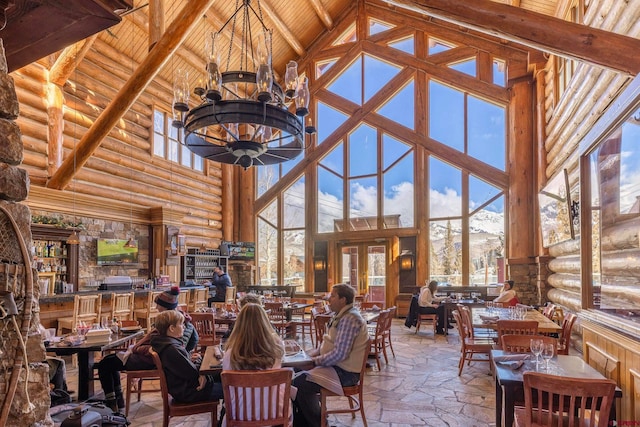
x,y
227,202
55,127
156,21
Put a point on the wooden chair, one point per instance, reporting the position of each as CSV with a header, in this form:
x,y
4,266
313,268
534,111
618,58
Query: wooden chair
x,y
565,338
171,408
522,343
145,315
245,393
199,299
605,363
428,319
86,308
587,402
122,305
516,327
368,305
352,393
183,300
302,320
475,333
634,386
134,385
470,346
320,322
387,330
278,317
205,326
377,339
549,311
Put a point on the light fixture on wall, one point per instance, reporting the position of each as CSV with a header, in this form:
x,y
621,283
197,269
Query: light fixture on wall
x,y
407,260
319,263
243,117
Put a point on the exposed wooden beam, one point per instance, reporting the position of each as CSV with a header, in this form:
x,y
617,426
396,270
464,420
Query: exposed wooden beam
x,y
288,35
156,21
322,13
127,95
563,38
69,59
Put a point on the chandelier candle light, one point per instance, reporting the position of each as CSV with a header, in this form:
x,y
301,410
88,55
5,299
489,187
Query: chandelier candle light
x,y
243,117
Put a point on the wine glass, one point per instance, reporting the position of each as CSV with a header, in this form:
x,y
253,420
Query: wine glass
x,y
547,354
536,348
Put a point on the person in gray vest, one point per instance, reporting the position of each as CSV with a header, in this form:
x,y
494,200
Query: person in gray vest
x,y
338,361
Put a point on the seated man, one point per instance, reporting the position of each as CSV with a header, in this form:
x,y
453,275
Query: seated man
x,y
221,281
507,295
339,357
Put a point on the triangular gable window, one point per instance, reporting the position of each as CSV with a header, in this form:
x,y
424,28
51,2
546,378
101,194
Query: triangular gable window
x,y
437,46
400,107
324,66
377,73
349,83
348,36
467,67
329,119
376,26
406,45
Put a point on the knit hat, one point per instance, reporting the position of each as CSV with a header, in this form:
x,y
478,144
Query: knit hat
x,y
169,299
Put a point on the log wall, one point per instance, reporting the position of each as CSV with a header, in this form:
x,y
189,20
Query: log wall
x,y
123,168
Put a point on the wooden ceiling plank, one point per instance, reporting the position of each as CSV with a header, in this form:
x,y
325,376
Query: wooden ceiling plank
x,y
322,13
127,95
69,59
563,38
288,35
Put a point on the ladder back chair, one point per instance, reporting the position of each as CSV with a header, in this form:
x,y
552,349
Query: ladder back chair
x,y
565,337
516,327
205,326
605,363
122,305
320,322
145,315
377,339
183,300
353,393
246,392
522,343
586,402
170,408
199,299
470,347
86,308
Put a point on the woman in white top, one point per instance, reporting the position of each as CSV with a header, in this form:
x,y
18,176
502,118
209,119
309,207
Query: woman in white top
x,y
507,294
428,303
253,344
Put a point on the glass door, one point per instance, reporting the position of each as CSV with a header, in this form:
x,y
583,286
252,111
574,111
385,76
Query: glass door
x,y
364,266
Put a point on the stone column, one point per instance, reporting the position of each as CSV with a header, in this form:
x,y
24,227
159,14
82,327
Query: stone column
x,y
31,407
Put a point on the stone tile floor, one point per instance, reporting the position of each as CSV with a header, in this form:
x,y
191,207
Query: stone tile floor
x,y
419,387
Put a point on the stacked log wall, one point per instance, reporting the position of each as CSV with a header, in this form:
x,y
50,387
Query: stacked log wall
x,y
572,114
123,168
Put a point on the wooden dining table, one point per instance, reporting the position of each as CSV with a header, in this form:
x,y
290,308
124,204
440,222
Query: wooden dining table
x,y
545,325
85,352
211,364
510,387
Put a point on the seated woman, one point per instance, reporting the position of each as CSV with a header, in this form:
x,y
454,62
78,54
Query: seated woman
x,y
182,369
137,358
253,344
426,303
507,295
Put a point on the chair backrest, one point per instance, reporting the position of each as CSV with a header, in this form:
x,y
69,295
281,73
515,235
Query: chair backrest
x,y
462,331
565,338
122,305
467,323
205,326
392,314
517,327
320,324
230,293
549,311
183,300
87,309
522,343
634,386
381,324
164,389
151,304
368,305
589,399
602,362
246,392
199,299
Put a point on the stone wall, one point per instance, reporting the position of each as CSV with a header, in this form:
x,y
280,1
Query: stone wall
x,y
25,402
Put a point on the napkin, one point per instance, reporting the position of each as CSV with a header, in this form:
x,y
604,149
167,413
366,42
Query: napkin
x,y
375,308
511,357
489,319
217,353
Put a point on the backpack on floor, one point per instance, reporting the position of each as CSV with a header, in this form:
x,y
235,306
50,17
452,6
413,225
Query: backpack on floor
x,y
87,414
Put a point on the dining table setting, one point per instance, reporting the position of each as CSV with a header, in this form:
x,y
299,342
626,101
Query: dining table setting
x,y
487,317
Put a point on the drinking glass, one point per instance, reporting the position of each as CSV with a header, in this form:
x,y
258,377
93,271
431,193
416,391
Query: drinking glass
x,y
536,348
547,354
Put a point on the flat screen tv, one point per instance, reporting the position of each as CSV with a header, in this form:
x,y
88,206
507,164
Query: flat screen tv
x,y
238,250
113,252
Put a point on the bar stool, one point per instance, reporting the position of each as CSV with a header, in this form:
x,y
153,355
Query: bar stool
x,y
122,305
199,299
145,316
86,308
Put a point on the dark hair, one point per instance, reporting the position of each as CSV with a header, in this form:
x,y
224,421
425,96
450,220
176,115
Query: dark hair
x,y
511,283
433,286
345,291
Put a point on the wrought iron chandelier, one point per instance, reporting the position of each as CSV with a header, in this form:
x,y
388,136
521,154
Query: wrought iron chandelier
x,y
243,117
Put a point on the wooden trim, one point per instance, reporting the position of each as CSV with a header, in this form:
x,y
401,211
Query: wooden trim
x,y
563,38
